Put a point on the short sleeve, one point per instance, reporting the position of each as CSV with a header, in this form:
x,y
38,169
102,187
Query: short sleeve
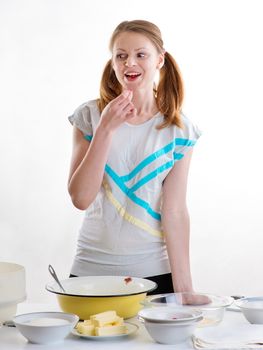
x,y
186,137
81,118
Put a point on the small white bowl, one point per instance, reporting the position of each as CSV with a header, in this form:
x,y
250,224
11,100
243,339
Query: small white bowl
x,y
167,325
167,314
252,309
45,327
170,333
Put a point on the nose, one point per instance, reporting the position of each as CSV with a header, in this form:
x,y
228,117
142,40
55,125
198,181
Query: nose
x,y
130,61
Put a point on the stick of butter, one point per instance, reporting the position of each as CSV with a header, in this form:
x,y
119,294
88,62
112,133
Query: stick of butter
x,y
110,330
87,322
105,314
104,318
115,321
87,329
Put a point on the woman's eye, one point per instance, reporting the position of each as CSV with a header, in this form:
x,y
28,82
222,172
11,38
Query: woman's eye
x,y
121,56
141,55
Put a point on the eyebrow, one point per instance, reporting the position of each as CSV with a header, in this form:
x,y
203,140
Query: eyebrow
x,y
141,48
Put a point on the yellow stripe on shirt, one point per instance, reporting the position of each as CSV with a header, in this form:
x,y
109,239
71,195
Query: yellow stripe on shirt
x,y
128,217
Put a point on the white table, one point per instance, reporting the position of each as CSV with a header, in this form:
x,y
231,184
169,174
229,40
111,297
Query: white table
x,y
11,339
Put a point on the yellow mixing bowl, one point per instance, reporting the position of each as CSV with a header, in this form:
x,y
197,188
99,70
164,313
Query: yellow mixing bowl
x,y
86,296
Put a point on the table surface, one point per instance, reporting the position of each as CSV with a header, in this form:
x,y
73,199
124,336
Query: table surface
x,y
10,338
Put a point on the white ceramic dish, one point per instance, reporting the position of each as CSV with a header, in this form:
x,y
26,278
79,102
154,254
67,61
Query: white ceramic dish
x,y
45,327
170,333
131,329
169,315
252,309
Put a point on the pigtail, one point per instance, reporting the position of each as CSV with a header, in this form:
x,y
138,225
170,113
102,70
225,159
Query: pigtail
x,y
170,93
110,88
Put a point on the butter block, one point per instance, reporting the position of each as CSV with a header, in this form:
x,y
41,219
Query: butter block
x,y
116,321
102,315
110,330
87,322
86,329
104,318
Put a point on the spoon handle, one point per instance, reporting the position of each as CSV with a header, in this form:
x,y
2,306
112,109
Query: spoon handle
x,y
54,275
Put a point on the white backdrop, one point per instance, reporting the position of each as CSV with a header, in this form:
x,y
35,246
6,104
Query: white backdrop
x,y
51,59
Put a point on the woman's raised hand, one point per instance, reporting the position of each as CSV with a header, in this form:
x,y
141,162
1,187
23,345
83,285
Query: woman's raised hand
x,y
118,111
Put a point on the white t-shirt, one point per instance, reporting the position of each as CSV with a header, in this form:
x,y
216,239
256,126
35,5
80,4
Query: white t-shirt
x,y
121,232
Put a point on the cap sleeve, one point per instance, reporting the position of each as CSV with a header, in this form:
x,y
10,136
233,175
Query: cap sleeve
x,y
186,137
81,118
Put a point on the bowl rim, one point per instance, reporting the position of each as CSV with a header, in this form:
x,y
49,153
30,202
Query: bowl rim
x,y
249,299
146,290
228,301
180,323
75,318
196,315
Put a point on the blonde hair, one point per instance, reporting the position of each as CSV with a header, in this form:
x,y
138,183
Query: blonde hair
x,y
169,92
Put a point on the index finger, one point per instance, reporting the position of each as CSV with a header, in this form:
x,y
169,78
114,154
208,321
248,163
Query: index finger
x,y
124,95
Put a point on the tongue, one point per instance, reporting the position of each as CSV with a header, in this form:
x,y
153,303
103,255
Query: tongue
x,y
132,77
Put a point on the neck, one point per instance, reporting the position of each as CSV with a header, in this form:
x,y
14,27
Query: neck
x,y
145,104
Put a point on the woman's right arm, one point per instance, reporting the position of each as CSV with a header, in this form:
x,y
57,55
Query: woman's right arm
x,y
87,167
89,158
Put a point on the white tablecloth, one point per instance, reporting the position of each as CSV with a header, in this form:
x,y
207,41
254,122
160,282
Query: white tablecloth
x,y
10,338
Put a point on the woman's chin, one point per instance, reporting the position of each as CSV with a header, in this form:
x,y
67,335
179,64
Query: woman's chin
x,y
131,85
128,86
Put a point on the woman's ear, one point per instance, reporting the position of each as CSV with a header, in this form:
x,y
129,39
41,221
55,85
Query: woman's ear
x,y
161,61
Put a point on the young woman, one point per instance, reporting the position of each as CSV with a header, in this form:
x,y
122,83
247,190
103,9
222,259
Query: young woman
x,y
131,155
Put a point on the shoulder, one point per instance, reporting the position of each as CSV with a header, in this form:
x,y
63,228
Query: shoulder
x,y
189,130
87,108
85,115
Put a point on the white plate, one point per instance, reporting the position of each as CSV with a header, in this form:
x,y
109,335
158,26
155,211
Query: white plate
x,y
167,314
131,328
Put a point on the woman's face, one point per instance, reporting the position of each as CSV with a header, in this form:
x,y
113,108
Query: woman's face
x,y
135,61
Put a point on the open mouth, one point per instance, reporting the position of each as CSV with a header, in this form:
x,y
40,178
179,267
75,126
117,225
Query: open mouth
x,y
132,76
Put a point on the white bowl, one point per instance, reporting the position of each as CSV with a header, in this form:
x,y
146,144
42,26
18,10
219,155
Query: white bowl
x,y
167,314
252,309
170,333
45,327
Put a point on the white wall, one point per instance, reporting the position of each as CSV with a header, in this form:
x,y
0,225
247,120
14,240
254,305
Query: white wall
x,y
51,58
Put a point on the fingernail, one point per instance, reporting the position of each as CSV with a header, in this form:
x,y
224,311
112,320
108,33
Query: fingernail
x,y
126,93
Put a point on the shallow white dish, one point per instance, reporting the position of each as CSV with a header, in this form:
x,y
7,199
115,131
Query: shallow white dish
x,y
170,333
252,309
131,328
45,327
167,314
